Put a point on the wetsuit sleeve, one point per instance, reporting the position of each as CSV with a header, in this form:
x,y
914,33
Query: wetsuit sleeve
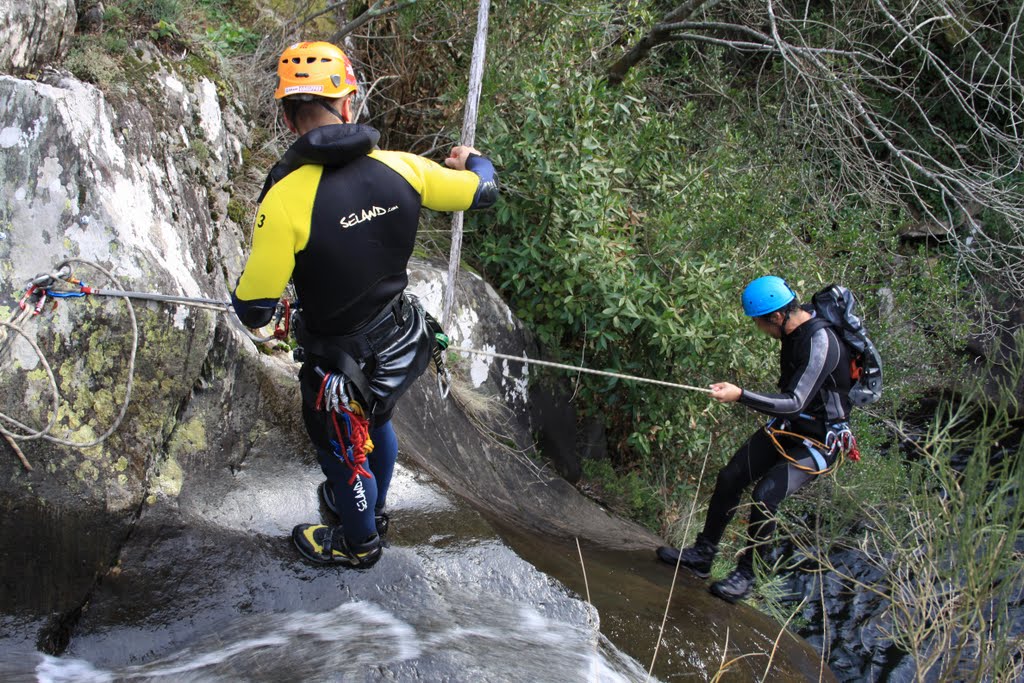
x,y
821,360
487,189
269,266
445,189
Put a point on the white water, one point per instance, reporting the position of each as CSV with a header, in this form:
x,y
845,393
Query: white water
x,y
361,640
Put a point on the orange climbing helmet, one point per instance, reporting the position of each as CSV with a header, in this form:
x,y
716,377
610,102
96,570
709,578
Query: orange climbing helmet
x,y
314,69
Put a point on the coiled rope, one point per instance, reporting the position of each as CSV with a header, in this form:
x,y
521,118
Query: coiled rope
x,y
45,433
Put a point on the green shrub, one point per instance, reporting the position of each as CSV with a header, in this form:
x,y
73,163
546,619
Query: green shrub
x,y
630,494
168,12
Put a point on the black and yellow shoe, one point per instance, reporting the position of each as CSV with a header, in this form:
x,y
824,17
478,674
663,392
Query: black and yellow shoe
x,y
381,519
327,545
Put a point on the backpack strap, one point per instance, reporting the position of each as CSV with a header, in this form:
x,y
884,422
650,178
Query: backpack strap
x,y
818,322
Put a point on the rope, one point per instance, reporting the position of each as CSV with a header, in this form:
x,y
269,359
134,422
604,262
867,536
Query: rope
x,y
675,572
476,77
63,273
195,302
573,368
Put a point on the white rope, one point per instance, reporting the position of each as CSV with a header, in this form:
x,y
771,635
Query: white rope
x,y
476,77
194,302
573,368
222,307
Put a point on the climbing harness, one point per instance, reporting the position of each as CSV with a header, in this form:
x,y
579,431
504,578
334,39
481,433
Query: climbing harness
x,y
839,442
381,359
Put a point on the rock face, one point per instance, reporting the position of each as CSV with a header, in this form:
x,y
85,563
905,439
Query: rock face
x,y
85,180
488,457
846,618
35,33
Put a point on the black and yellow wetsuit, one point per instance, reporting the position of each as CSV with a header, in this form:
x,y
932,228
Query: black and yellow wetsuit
x,y
339,217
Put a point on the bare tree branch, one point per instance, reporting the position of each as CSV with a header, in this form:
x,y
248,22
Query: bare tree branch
x,y
655,37
302,21
375,10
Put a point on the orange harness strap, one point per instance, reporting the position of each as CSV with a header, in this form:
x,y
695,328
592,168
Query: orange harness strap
x,y
773,434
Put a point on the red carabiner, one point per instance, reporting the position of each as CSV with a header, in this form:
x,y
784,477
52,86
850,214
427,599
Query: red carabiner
x,y
282,332
29,292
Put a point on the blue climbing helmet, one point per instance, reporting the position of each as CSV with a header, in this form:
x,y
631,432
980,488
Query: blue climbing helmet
x,y
765,295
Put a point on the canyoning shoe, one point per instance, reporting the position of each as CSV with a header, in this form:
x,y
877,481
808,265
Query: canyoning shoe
x,y
697,558
381,519
736,586
327,545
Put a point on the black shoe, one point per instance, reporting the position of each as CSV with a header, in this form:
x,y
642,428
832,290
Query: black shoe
x,y
381,519
697,558
736,586
327,545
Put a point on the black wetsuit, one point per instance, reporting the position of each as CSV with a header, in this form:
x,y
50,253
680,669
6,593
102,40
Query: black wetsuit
x,y
814,386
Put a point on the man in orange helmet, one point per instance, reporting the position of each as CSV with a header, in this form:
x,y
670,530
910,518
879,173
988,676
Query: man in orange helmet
x,y
339,217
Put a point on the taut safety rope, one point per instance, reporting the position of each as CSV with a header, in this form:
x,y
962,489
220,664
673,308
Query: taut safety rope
x,y
574,368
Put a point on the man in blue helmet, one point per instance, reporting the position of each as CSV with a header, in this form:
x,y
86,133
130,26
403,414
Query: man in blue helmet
x,y
812,403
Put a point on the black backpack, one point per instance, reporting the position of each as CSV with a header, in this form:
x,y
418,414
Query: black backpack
x,y
836,305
